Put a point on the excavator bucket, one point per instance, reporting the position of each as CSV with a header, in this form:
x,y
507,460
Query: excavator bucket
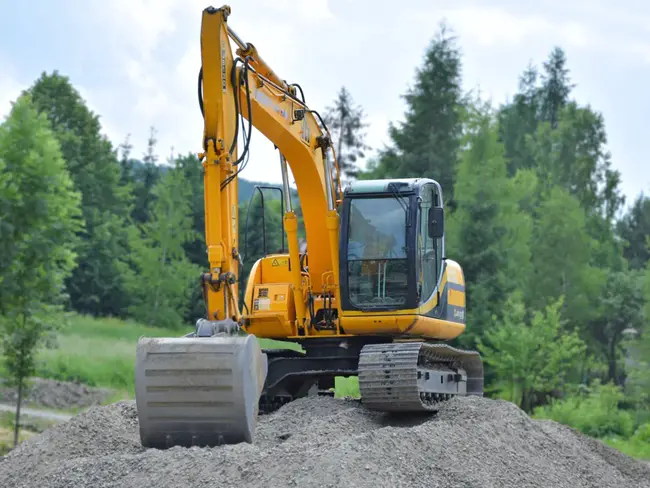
x,y
198,391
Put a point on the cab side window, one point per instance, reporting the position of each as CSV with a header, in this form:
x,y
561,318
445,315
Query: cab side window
x,y
429,258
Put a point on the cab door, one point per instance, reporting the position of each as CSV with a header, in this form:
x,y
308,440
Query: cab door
x,y
429,248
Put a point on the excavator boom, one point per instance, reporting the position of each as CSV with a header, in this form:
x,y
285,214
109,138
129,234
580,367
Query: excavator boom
x,y
203,389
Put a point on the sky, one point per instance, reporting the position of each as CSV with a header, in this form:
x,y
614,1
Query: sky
x,y
135,62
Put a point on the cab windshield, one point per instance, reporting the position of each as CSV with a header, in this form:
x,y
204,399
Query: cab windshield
x,y
377,259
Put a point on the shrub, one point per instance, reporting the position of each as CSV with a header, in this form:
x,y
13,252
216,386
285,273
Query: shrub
x,y
595,413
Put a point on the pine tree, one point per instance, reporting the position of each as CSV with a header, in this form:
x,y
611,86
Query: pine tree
x,y
346,122
161,278
147,176
126,163
634,228
518,120
555,88
426,144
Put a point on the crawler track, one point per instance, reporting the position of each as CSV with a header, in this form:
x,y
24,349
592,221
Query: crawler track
x,y
415,376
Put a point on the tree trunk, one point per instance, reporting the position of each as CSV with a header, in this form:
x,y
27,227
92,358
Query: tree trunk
x,y
17,423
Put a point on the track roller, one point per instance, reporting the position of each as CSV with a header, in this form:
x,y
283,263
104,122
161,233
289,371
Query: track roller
x,y
415,376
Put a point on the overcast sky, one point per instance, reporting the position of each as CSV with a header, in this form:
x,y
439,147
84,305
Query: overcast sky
x,y
136,61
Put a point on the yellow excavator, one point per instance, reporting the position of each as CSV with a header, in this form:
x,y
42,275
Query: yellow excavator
x,y
373,296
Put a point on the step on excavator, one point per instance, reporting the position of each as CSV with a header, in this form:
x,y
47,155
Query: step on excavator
x,y
373,296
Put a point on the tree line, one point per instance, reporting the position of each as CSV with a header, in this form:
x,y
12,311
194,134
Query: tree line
x,y
557,271
558,280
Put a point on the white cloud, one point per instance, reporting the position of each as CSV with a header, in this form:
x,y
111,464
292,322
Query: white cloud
x,y
10,90
308,11
100,102
576,34
140,24
494,26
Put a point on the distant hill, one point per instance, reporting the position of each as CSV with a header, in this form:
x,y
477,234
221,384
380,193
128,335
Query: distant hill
x,y
246,187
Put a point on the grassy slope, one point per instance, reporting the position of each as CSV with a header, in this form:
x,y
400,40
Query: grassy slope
x,y
101,352
634,448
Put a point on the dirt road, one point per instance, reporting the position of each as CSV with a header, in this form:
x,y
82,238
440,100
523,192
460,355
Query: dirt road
x,y
33,412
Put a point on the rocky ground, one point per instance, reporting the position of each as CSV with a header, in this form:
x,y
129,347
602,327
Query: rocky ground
x,y
58,395
321,442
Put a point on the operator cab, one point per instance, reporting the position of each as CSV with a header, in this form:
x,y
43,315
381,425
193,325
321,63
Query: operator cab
x,y
392,244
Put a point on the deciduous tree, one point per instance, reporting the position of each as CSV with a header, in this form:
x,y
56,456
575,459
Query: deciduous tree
x,y
40,216
95,286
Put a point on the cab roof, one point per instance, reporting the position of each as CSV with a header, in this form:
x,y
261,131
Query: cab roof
x,y
401,185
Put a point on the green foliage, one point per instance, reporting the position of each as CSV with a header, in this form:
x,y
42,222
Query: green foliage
x,y
638,351
561,225
39,216
160,277
595,412
427,141
531,356
96,284
621,307
347,387
488,233
97,351
634,228
518,120
572,156
146,176
633,448
260,224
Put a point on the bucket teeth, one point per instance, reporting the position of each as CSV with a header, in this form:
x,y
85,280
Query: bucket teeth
x,y
198,391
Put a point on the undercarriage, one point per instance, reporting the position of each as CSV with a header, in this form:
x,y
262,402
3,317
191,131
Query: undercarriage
x,y
206,391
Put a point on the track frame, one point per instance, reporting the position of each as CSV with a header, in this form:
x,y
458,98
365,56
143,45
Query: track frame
x,y
409,376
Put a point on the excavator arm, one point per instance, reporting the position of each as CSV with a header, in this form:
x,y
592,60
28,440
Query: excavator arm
x,y
245,87
202,389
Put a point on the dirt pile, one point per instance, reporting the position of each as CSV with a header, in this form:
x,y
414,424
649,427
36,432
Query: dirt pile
x,y
46,393
323,442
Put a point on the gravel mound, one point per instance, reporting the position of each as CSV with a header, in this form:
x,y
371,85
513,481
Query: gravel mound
x,y
65,395
326,442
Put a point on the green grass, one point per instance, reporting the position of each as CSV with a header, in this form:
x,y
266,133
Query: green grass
x,y
7,423
347,387
101,352
632,447
97,352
